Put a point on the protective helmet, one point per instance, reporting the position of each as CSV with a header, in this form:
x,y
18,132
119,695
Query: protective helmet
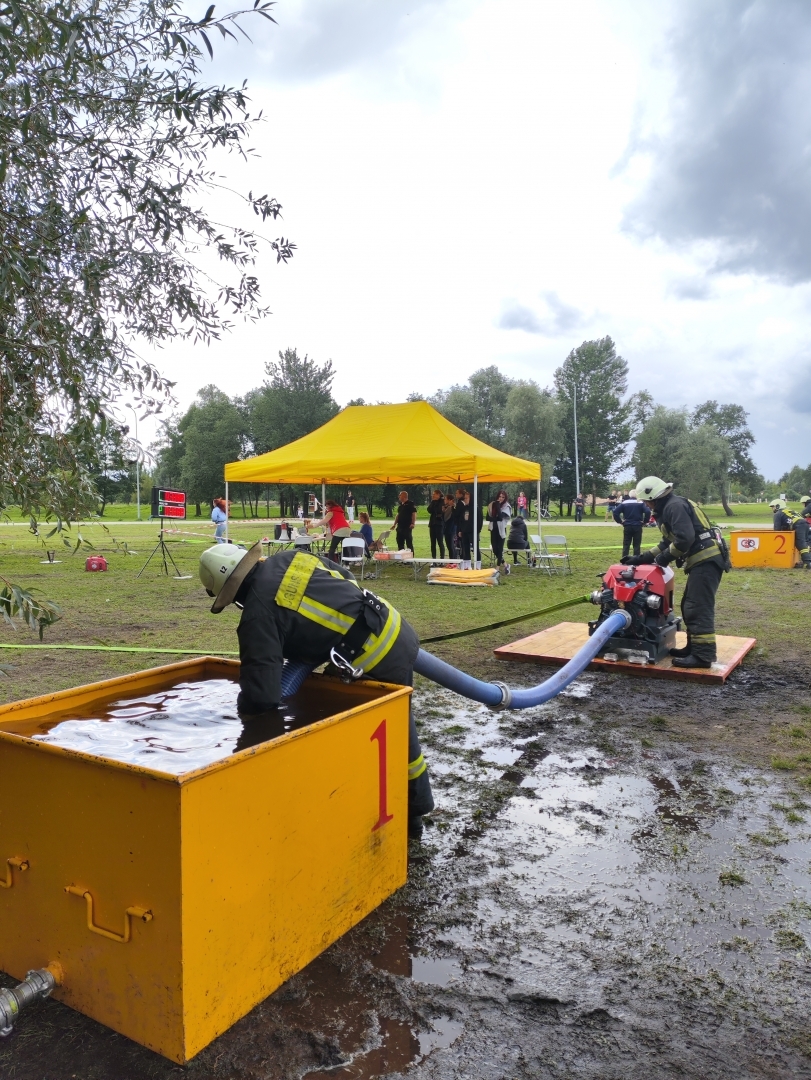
x,y
805,499
651,487
778,504
223,568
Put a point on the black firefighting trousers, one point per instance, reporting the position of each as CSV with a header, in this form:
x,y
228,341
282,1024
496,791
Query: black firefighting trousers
x,y
698,608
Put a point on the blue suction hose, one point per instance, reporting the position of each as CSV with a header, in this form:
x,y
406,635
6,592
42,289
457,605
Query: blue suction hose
x,y
494,694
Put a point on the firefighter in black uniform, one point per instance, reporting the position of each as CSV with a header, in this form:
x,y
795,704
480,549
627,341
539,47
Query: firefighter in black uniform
x,y
786,520
298,606
633,515
687,538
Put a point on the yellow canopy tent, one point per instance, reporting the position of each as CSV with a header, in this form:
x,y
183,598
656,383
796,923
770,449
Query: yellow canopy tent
x,y
385,444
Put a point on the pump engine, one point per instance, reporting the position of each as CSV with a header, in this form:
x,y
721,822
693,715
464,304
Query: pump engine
x,y
646,593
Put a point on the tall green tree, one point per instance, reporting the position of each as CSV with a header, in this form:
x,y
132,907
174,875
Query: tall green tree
x,y
295,399
105,133
532,427
479,407
599,376
729,422
694,458
213,432
796,482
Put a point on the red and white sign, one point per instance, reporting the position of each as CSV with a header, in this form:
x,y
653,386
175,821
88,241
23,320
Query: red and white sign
x,y
748,543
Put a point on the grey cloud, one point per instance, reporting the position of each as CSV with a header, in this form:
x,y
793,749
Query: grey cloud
x,y
734,166
560,318
690,288
314,39
798,397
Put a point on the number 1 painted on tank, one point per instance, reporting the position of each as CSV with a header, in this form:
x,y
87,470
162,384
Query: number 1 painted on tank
x,y
379,734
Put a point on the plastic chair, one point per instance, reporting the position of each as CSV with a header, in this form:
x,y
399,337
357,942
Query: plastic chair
x,y
552,557
381,540
353,553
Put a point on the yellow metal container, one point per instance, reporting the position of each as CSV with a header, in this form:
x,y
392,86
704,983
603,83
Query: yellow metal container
x,y
175,903
762,547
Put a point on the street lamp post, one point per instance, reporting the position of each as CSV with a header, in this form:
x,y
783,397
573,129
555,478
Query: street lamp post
x,y
576,454
137,469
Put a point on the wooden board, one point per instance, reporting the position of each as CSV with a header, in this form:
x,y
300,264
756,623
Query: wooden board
x,y
559,643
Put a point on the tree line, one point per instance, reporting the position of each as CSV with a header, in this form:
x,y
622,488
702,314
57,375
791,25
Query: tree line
x,y
706,451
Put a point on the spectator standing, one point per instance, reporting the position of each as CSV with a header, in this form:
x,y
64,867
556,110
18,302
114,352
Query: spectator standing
x,y
633,515
471,551
499,513
350,506
449,526
405,519
579,506
521,503
458,518
436,524
219,516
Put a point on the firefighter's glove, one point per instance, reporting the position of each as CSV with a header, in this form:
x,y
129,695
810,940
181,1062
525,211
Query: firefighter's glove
x,y
637,560
663,558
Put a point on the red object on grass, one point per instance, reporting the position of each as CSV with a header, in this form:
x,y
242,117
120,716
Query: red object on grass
x,y
95,563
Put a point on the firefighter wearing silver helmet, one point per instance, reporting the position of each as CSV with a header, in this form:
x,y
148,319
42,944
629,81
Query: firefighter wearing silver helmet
x,y
689,540
297,606
786,520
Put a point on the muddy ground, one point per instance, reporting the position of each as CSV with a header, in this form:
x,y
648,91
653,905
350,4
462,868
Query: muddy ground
x,y
616,884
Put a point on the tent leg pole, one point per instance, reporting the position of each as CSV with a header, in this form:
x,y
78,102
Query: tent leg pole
x,y
475,520
323,496
227,512
538,512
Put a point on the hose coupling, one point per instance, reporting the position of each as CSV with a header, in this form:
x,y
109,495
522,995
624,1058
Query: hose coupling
x,y
36,986
628,617
506,697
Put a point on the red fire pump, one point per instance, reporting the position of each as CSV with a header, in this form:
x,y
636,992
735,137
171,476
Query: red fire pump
x,y
646,593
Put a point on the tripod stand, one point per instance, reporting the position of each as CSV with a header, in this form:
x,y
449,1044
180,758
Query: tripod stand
x,y
166,558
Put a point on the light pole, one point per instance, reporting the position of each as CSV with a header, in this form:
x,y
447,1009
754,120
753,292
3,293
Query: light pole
x,y
576,454
137,469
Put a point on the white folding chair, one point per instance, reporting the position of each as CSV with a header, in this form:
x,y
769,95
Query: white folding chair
x,y
353,553
553,557
382,538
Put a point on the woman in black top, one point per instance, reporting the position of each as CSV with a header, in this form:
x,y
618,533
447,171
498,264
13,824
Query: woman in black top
x,y
436,523
499,513
449,526
467,533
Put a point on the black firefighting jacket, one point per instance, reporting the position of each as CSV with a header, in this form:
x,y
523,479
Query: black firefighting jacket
x,y
687,536
298,606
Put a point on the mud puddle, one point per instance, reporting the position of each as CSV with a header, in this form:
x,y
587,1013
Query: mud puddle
x,y
579,905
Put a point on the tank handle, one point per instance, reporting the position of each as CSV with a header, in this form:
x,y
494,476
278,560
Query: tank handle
x,y
130,914
13,864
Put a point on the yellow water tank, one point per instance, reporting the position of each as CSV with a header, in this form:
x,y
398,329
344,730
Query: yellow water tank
x,y
762,548
175,903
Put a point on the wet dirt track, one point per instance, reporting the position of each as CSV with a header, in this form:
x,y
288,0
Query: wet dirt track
x,y
611,887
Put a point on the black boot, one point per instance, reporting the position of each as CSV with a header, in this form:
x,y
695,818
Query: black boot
x,y
691,661
686,650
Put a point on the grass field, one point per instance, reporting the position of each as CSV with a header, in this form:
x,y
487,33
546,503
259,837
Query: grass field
x,y
154,612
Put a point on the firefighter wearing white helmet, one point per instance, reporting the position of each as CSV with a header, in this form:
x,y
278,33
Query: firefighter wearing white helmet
x,y
690,541
786,520
296,606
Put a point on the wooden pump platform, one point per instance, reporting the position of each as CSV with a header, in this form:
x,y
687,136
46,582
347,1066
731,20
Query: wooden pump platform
x,y
558,644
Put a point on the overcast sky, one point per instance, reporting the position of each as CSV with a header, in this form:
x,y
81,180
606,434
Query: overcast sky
x,y
474,182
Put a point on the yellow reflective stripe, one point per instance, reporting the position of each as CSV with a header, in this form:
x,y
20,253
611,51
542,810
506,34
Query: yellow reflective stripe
x,y
325,616
703,637
378,645
296,579
416,767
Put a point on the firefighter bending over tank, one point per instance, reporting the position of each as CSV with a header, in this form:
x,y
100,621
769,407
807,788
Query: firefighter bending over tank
x,y
687,538
297,606
786,520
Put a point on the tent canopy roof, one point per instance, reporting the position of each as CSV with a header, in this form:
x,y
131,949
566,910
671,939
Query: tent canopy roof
x,y
384,444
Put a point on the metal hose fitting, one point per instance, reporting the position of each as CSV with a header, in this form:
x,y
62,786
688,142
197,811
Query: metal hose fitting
x,y
36,986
